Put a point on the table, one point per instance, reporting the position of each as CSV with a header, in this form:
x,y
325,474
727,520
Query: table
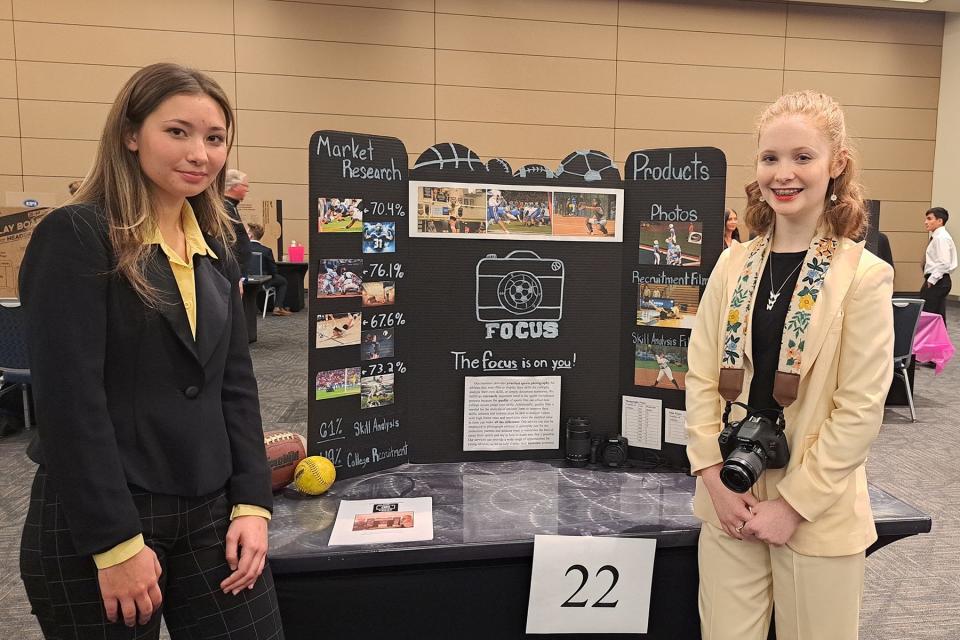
x,y
931,342
251,288
294,272
472,580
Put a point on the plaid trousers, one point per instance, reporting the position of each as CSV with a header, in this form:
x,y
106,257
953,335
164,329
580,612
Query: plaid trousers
x,y
186,533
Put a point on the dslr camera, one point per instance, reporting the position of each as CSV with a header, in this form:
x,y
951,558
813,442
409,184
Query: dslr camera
x,y
521,285
749,447
585,448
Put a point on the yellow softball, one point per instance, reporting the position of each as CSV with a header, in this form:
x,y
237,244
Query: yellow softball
x,y
314,475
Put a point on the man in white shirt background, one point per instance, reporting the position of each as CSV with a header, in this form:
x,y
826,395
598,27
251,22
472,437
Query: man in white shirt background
x,y
940,260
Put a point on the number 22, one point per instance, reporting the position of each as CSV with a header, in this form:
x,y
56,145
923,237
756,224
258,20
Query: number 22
x,y
585,575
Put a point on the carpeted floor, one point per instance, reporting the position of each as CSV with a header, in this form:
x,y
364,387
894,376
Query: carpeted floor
x,y
912,587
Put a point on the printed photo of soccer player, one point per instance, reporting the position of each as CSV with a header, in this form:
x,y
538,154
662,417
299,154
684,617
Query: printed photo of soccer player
x,y
376,344
377,294
518,212
339,215
671,244
674,305
376,391
656,366
337,383
339,278
337,330
379,237
451,209
584,214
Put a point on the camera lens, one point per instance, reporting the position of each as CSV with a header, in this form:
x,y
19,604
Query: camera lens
x,y
578,442
614,455
741,469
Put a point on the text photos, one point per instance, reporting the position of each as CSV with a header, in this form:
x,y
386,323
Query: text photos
x,y
660,366
376,391
337,330
381,521
337,383
377,344
339,278
671,305
498,212
671,244
339,215
376,294
379,237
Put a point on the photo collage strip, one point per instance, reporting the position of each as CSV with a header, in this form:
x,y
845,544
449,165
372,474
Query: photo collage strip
x,y
368,329
497,212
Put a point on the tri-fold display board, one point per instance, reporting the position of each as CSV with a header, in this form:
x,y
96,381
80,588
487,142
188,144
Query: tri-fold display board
x,y
463,309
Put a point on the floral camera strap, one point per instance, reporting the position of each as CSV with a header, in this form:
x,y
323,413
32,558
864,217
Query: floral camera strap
x,y
787,379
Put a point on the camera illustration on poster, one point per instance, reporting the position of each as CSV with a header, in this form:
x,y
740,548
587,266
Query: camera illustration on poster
x,y
530,297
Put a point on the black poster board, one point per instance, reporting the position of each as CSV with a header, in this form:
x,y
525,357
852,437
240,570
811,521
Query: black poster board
x,y
533,273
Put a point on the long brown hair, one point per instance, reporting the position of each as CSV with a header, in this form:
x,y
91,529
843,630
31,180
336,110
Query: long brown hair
x,y
118,185
847,216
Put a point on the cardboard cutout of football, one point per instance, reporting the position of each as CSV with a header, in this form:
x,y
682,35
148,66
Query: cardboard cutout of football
x,y
285,450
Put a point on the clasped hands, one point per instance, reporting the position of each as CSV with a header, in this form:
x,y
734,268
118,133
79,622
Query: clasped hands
x,y
744,517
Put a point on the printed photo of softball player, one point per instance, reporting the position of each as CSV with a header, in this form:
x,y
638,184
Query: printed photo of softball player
x,y
667,305
339,278
671,244
656,366
377,294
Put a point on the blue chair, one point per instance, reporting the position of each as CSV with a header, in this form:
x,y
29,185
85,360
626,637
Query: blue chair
x,y
906,315
14,367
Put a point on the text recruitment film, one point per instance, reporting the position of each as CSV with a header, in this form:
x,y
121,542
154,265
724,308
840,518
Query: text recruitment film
x,y
464,310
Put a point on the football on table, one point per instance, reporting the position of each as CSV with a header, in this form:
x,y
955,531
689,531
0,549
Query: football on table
x,y
285,450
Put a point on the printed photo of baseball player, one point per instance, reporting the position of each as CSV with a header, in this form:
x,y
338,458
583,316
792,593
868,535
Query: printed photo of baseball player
x,y
659,366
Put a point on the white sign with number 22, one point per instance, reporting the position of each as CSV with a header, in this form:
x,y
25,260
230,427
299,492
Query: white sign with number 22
x,y
585,584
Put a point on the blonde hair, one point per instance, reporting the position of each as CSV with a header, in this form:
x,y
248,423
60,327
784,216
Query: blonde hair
x,y
118,185
847,216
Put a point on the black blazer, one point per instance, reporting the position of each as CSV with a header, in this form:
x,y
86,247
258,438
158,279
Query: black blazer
x,y
269,263
241,248
124,394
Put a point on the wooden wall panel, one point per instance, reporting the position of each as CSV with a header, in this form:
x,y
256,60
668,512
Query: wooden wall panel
x,y
514,71
85,83
524,107
490,140
6,9
50,184
690,81
578,11
898,185
294,196
274,165
902,216
293,130
907,277
694,47
866,25
883,122
6,40
680,114
9,118
903,155
472,33
332,23
8,79
10,156
10,183
868,91
209,16
62,120
908,246
135,47
804,54
347,97
57,157
333,60
756,18
409,5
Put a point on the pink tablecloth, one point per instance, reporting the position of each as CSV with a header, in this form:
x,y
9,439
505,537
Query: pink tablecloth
x,y
932,343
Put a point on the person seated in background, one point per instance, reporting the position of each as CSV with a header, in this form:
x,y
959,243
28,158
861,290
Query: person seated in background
x,y
269,268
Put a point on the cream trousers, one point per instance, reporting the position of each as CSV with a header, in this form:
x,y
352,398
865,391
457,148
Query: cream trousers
x,y
817,598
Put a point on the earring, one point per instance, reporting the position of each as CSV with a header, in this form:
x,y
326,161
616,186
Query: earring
x,y
833,197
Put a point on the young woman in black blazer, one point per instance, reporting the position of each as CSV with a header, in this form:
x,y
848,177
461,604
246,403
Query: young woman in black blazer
x,y
153,492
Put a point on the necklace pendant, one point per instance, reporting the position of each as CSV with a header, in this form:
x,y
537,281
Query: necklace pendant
x,y
772,300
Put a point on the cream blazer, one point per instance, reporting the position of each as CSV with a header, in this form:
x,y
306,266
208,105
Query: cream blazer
x,y
845,373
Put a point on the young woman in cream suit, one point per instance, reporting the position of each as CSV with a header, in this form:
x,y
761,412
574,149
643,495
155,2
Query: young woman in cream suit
x,y
804,305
